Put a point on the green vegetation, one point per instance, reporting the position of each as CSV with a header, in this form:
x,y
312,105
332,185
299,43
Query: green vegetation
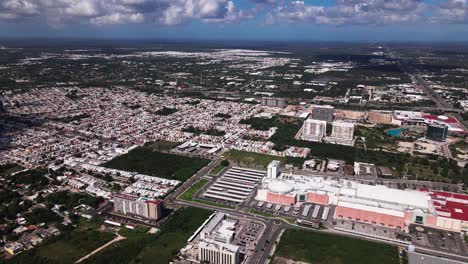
x,y
259,123
377,137
248,158
162,145
41,215
197,131
141,247
314,247
252,158
166,111
221,115
71,199
190,192
456,147
10,205
67,247
35,178
148,161
219,168
7,169
434,168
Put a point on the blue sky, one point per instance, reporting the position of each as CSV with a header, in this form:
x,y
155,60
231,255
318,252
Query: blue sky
x,y
332,20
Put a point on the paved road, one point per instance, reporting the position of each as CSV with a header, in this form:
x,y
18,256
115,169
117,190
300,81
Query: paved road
x,y
405,67
172,196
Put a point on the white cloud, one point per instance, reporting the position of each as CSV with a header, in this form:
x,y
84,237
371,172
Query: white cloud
x,y
172,12
351,12
103,12
452,11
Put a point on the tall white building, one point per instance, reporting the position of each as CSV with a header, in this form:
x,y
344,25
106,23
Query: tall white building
x,y
215,240
273,169
274,102
314,130
218,253
342,133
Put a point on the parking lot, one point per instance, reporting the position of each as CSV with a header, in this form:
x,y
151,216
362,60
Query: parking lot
x,y
438,239
248,235
369,229
305,211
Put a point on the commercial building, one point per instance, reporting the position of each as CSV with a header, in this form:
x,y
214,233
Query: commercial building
x,y
133,205
342,133
451,210
373,204
437,132
422,119
273,101
218,253
314,130
323,112
214,240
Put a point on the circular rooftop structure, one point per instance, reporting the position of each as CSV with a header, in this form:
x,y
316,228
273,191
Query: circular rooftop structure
x,y
280,187
442,117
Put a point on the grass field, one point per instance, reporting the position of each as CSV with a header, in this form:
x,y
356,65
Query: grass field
x,y
162,145
188,194
147,160
76,244
217,170
319,248
140,247
247,158
7,169
67,247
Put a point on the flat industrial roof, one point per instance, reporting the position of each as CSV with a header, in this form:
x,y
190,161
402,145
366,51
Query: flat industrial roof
x,y
411,198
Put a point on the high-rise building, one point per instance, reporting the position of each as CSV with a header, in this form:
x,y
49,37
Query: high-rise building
x,y
323,112
342,133
154,209
215,241
314,130
273,169
273,101
133,205
218,253
437,132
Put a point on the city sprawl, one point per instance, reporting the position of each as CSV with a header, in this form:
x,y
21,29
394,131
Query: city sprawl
x,y
228,154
